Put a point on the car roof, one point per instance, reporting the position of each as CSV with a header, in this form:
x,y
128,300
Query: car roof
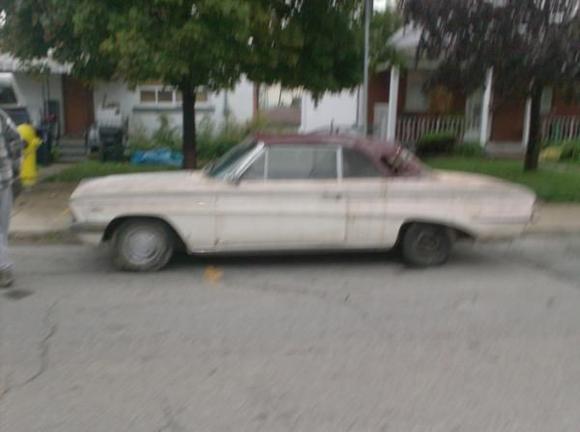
x,y
321,138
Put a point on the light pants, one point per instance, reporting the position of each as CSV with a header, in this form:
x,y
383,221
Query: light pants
x,y
5,209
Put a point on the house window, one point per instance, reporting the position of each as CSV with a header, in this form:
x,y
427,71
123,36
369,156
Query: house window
x,y
148,96
416,100
164,95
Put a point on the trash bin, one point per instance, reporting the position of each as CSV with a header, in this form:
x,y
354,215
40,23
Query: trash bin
x,y
44,152
111,140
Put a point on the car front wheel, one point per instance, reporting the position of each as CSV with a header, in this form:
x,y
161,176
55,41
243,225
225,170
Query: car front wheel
x,y
142,246
425,245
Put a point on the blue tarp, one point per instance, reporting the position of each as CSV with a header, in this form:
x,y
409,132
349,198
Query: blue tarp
x,y
164,157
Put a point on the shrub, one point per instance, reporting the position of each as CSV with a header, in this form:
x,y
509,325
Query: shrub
x,y
570,150
166,136
437,143
551,154
138,140
469,150
212,144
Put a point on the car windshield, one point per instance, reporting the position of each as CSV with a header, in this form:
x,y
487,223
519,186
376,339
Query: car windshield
x,y
230,162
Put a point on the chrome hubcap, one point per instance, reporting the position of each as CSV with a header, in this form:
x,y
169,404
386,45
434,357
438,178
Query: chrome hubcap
x,y
142,246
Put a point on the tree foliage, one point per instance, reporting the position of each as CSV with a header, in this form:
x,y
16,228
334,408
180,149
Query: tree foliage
x,y
383,25
193,43
530,44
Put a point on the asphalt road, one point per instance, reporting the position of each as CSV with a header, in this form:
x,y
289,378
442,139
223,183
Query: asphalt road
x,y
491,342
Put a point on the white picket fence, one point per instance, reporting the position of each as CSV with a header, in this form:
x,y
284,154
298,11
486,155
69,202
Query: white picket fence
x,y
411,128
559,128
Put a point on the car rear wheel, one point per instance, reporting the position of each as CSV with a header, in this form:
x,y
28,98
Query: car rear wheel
x,y
425,245
142,246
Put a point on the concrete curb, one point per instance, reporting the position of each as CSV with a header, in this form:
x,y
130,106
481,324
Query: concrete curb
x,y
43,237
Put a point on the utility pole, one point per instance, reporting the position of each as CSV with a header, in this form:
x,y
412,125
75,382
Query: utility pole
x,y
365,92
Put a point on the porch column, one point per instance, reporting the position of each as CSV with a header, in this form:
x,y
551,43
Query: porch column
x,y
527,122
393,103
486,109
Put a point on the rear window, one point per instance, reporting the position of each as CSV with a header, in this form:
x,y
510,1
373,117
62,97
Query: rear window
x,y
357,165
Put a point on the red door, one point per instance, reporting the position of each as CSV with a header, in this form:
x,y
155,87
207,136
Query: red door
x,y
78,107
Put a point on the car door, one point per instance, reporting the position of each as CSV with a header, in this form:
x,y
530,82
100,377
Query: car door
x,y
288,198
366,192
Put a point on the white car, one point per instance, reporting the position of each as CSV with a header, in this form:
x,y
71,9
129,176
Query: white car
x,y
298,192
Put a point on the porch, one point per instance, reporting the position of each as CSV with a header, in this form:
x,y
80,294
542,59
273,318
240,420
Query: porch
x,y
482,117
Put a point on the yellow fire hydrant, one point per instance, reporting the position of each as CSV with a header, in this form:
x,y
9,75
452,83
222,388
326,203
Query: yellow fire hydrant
x,y
29,171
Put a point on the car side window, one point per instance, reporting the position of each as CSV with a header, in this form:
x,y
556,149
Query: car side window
x,y
302,162
357,165
256,171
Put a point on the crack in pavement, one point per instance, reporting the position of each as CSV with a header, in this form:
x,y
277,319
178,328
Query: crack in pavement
x,y
44,351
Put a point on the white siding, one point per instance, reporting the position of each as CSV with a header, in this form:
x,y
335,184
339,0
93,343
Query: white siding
x,y
333,109
115,93
240,102
146,117
31,91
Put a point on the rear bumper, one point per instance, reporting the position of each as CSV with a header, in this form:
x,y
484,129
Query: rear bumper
x,y
89,233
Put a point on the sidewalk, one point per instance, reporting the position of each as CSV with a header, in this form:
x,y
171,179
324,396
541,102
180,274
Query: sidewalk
x,y
557,218
42,212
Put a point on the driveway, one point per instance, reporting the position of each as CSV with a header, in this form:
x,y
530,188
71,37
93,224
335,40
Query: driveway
x,y
490,342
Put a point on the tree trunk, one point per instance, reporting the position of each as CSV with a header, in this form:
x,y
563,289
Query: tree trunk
x,y
534,143
189,135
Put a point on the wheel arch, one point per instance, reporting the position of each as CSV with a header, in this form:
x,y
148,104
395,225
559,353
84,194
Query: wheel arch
x,y
458,231
120,220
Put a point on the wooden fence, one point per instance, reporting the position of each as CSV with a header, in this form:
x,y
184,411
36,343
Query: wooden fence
x,y
411,128
560,128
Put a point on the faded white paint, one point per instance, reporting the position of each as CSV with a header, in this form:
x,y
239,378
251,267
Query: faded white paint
x,y
338,109
213,215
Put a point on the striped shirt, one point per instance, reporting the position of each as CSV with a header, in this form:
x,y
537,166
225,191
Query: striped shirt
x,y
10,151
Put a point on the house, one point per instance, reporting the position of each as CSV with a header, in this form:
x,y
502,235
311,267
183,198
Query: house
x,y
47,88
482,116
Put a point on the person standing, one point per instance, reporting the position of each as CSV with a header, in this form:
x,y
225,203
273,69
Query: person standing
x,y
10,155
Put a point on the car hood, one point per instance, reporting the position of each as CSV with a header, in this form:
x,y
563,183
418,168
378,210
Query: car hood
x,y
148,183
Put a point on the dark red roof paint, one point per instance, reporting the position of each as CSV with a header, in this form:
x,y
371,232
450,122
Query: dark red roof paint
x,y
390,158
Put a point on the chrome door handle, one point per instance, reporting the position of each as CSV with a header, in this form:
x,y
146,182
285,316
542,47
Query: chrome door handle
x,y
331,195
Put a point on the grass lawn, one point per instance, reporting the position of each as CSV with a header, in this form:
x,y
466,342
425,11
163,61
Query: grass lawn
x,y
83,170
552,183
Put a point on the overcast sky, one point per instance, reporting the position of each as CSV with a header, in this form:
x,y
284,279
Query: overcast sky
x,y
380,4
